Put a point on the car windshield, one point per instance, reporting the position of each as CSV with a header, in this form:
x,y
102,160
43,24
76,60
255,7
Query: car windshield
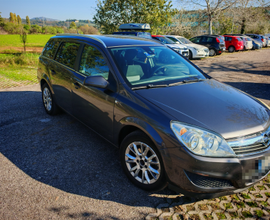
x,y
153,66
184,40
165,40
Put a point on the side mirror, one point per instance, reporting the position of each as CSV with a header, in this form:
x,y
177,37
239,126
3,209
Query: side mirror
x,y
96,81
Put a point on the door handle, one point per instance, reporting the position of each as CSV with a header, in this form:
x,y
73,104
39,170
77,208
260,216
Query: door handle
x,y
77,85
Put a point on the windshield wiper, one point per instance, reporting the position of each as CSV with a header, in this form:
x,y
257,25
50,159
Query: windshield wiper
x,y
192,80
149,86
186,81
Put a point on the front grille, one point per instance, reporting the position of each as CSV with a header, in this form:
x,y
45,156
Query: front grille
x,y
250,149
251,144
208,182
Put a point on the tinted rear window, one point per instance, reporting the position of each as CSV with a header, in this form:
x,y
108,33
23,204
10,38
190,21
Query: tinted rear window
x,y
68,53
50,48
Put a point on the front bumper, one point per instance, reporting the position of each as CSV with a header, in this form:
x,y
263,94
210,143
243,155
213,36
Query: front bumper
x,y
192,174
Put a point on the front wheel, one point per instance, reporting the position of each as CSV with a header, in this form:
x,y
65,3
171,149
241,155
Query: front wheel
x,y
190,55
142,162
48,101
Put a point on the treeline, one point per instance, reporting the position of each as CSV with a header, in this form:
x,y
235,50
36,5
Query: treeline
x,y
15,26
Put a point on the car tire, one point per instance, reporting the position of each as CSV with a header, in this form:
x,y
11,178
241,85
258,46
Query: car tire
x,y
190,55
48,100
141,162
212,52
231,49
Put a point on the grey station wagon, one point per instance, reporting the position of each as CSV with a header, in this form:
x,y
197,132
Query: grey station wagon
x,y
172,123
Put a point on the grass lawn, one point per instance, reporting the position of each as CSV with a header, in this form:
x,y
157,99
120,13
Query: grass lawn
x,y
33,40
18,70
17,76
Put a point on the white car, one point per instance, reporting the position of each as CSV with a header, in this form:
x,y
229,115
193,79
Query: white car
x,y
195,50
181,49
248,45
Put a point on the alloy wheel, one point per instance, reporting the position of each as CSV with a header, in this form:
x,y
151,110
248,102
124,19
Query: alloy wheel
x,y
142,162
47,99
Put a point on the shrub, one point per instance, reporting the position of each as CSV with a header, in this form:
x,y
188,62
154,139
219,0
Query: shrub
x,y
35,29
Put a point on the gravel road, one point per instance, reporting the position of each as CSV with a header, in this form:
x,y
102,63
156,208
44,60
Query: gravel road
x,y
56,168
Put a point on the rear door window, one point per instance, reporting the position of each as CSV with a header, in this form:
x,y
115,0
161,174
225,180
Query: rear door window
x,y
68,53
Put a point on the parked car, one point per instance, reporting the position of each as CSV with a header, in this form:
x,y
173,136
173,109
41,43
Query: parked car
x,y
255,44
195,50
267,40
181,49
134,29
173,123
259,38
215,44
248,45
233,43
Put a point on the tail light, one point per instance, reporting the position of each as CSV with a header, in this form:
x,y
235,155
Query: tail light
x,y
217,40
262,39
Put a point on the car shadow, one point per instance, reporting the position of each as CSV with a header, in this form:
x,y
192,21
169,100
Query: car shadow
x,y
61,152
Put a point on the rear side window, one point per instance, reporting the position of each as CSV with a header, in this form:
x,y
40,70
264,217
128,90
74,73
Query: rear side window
x,y
50,48
68,53
207,40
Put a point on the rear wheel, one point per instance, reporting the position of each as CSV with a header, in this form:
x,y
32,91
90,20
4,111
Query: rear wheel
x,y
48,101
142,162
231,49
212,52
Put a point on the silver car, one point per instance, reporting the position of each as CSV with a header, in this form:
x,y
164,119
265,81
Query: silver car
x,y
195,50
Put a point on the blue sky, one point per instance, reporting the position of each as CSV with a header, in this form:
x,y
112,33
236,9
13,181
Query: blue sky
x,y
56,9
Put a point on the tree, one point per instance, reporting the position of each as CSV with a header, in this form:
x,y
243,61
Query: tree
x,y
28,21
212,8
23,37
110,14
72,25
19,20
11,17
15,18
247,12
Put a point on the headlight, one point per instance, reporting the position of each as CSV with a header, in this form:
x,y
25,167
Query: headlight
x,y
200,141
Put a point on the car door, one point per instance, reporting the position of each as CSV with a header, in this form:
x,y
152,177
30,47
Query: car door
x,y
62,70
91,105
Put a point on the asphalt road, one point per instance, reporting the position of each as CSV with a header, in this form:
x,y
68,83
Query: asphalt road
x,y
56,168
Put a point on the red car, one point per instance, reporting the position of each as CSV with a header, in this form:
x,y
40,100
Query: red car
x,y
233,43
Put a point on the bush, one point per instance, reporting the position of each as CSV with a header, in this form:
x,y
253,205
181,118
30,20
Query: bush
x,y
12,28
35,29
88,29
49,30
26,27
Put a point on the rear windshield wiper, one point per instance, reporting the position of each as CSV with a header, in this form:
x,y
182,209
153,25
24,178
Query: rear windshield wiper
x,y
149,86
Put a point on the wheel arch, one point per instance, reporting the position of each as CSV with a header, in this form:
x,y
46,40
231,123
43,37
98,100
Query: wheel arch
x,y
45,79
131,124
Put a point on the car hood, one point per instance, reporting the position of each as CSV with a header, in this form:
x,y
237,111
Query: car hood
x,y
211,105
177,46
